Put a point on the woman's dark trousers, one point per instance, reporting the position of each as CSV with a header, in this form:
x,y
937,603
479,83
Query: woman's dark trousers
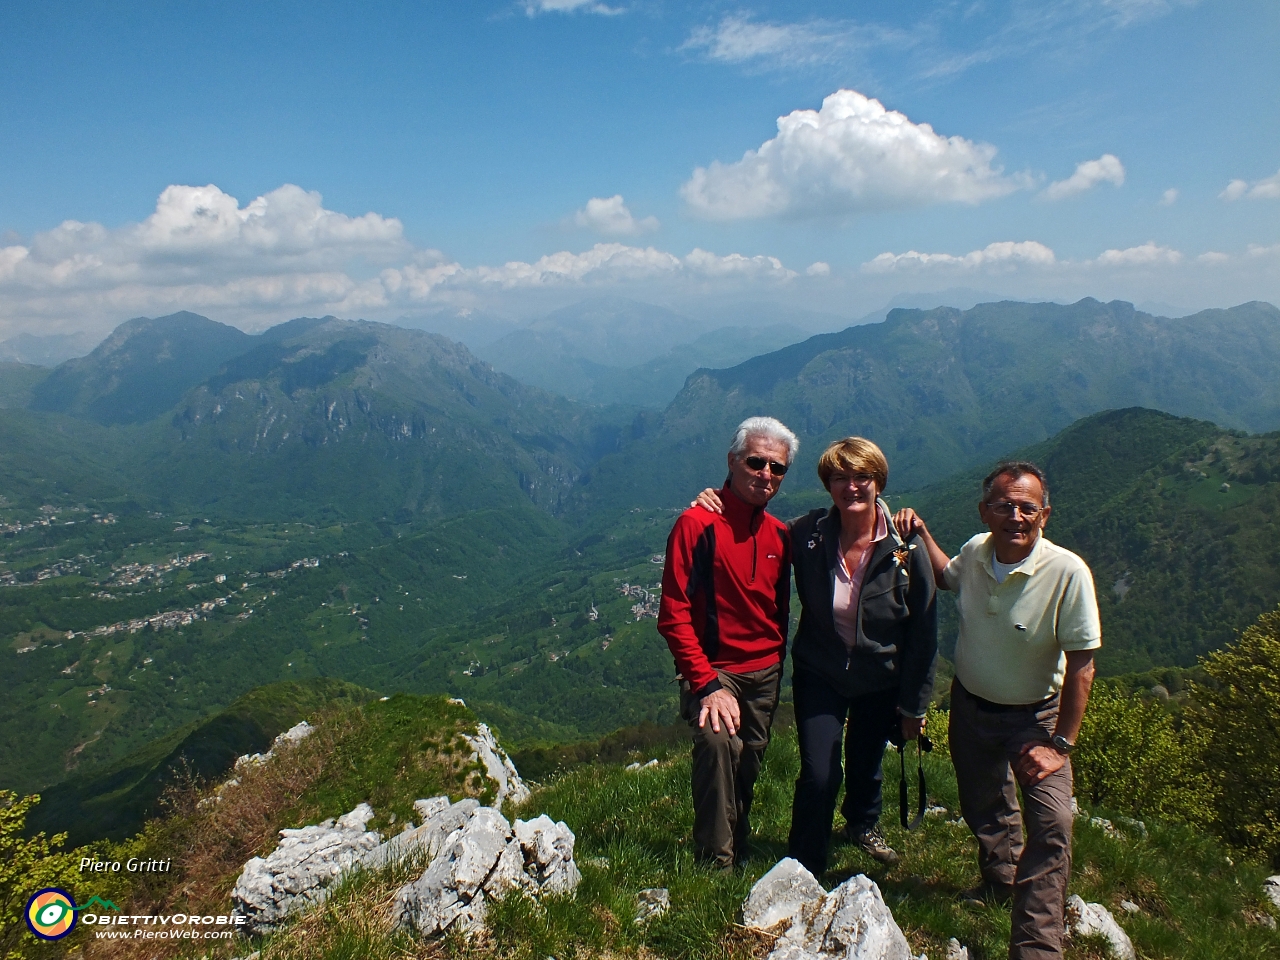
x,y
823,718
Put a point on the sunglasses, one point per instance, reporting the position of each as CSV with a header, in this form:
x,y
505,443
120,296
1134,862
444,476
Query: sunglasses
x,y
759,463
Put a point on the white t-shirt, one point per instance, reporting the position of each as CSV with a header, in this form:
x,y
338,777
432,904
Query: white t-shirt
x,y
1002,570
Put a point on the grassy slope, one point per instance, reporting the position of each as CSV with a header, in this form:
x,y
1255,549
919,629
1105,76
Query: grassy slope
x,y
633,830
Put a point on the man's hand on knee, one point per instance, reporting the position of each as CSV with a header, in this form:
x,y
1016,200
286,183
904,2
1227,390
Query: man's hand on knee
x,y
720,706
1036,761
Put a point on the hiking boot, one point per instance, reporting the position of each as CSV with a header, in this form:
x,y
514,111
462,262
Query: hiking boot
x,y
986,894
871,842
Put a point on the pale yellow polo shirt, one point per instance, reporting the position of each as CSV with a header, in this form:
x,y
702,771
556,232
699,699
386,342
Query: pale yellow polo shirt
x,y
1013,634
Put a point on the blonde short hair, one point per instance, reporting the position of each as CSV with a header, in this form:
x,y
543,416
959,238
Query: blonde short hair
x,y
854,455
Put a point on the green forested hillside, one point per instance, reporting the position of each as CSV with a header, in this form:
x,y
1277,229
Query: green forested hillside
x,y
943,390
17,380
313,418
1176,517
115,801
362,502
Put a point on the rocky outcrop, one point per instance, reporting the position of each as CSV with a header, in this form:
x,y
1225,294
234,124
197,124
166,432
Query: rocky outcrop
x,y
300,870
481,859
295,734
471,855
1093,919
498,766
852,922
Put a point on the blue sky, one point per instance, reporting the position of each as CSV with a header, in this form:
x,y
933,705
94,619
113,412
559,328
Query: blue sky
x,y
257,161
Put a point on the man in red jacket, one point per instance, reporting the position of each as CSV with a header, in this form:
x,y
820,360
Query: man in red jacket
x,y
726,589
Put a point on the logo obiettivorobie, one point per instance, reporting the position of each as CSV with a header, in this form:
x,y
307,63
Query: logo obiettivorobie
x,y
51,913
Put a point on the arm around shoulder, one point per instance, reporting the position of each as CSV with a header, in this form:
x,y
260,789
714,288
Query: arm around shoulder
x,y
920,652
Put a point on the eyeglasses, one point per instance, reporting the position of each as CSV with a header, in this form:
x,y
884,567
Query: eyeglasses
x,y
759,463
1007,508
858,479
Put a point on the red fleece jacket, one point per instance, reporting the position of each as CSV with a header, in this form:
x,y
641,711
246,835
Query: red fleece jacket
x,y
726,591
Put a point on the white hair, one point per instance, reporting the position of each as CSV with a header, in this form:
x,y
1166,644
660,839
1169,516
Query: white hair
x,y
764,427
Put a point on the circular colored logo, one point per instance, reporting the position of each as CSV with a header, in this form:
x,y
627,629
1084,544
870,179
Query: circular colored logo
x,y
51,913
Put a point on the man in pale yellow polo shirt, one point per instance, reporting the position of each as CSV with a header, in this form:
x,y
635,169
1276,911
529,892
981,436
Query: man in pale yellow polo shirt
x,y
1024,668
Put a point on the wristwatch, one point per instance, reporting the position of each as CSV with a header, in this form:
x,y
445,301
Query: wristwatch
x,y
1062,744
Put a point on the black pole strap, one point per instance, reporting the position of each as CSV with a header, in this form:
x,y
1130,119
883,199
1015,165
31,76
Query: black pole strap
x,y
923,745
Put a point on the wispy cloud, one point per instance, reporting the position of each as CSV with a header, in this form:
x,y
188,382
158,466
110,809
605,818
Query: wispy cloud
x,y
850,156
1169,197
534,7
611,217
1106,169
1265,189
739,39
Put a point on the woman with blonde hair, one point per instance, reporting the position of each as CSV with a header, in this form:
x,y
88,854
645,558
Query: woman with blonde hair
x,y
864,654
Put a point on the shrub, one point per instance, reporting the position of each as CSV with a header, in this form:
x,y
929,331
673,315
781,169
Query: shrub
x,y
1134,758
26,865
1240,707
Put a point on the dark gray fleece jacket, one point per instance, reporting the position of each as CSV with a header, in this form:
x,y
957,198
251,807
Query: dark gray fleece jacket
x,y
897,642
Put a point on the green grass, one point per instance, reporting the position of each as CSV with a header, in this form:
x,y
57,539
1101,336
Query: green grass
x,y
633,831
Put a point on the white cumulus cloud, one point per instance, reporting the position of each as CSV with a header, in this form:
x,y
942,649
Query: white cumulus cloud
x,y
611,217
1002,254
1106,169
818,268
1009,256
284,254
1148,254
852,155
1265,189
1169,197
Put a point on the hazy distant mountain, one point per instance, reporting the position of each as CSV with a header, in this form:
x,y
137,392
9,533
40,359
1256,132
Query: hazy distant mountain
x,y
612,350
474,328
17,381
946,389
141,370
350,418
48,350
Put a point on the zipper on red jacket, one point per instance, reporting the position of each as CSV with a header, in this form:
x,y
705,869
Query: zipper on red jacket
x,y
755,547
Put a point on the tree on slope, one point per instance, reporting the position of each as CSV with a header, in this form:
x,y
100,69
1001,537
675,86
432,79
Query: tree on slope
x,y
1241,714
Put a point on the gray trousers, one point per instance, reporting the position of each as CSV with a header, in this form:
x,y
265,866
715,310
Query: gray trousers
x,y
725,768
983,745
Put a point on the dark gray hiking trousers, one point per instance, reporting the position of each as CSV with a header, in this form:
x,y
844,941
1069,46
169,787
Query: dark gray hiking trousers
x,y
725,768
1035,869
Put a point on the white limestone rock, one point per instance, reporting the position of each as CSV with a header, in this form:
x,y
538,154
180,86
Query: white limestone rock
x,y
852,922
780,894
426,841
1271,887
498,766
548,853
652,903
1090,919
955,951
481,857
300,870
426,809
450,891
295,734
